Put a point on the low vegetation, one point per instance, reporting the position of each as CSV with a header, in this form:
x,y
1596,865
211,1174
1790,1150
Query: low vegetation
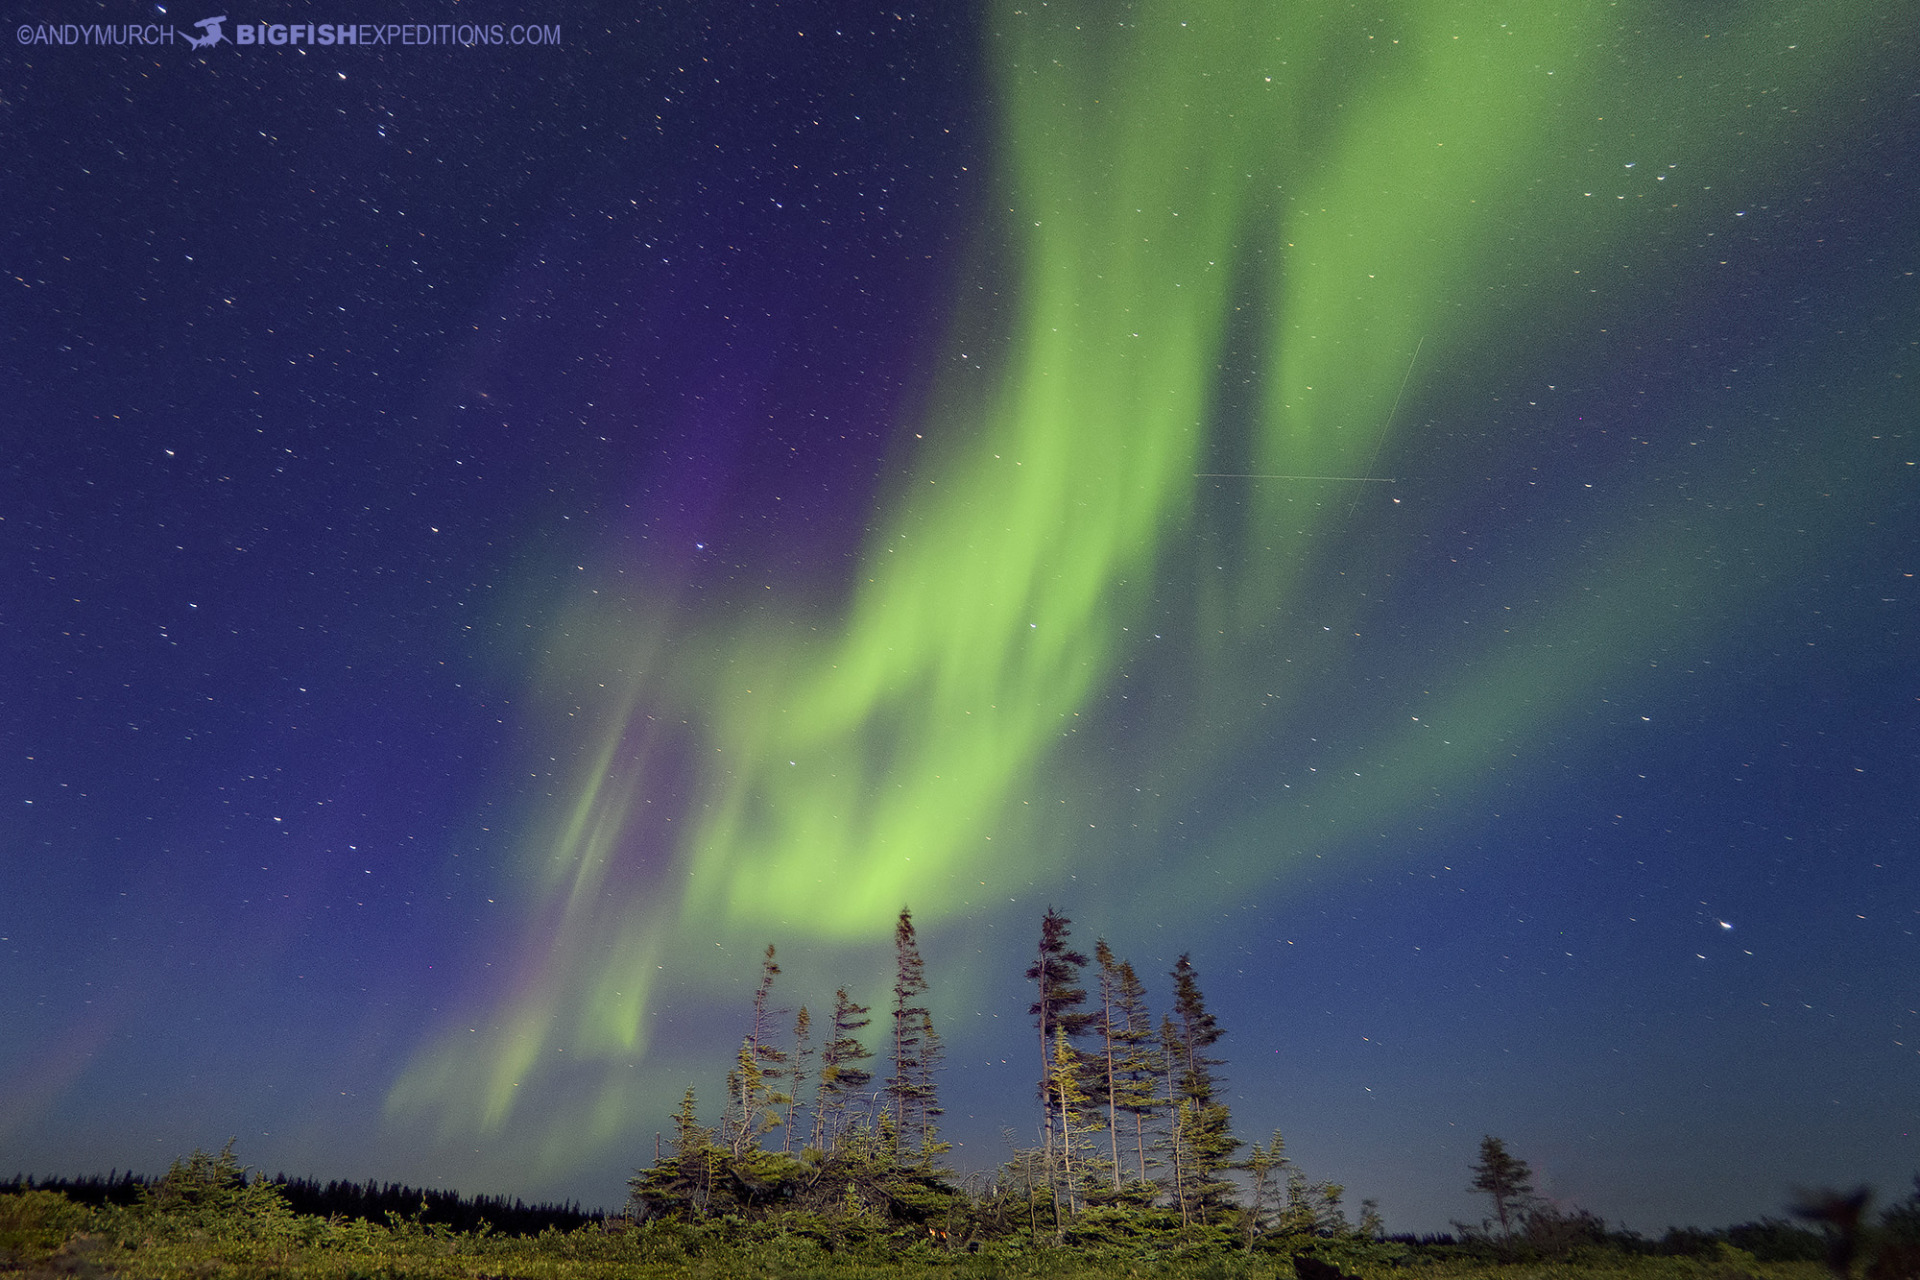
x,y
207,1220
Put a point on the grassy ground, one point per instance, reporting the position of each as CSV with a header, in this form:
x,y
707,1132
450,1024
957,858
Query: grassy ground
x,y
42,1234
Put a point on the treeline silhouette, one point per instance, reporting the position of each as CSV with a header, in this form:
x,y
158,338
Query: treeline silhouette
x,y
117,1188
371,1200
374,1201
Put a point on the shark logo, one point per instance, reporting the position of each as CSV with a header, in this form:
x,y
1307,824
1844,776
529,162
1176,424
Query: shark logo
x,y
211,33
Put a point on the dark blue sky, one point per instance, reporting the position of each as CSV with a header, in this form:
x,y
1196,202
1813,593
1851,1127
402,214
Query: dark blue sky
x,y
359,406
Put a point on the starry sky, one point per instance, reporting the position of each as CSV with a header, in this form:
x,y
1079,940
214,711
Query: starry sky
x,y
1416,506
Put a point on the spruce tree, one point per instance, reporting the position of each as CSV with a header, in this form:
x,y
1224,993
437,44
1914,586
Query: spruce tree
x,y
683,1181
1056,972
843,1081
1504,1177
756,1105
1140,1063
754,1109
1198,1031
1112,1030
1175,1141
1262,1165
771,1059
933,1055
1071,1106
1313,1208
1124,1067
801,1070
1204,1141
911,1088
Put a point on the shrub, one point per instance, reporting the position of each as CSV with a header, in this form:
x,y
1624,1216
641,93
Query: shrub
x,y
35,1223
210,1195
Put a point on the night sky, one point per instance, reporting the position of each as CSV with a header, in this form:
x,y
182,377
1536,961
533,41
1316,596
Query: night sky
x,y
1416,505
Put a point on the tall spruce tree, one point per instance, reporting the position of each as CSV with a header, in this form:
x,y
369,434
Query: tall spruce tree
x,y
1176,1140
756,1104
1140,1064
933,1054
843,1081
1107,1064
1198,1031
910,1089
1056,973
754,1109
1203,1126
1121,1073
801,1073
1262,1165
1072,1105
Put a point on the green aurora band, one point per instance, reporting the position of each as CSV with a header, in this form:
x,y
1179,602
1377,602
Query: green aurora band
x,y
1229,227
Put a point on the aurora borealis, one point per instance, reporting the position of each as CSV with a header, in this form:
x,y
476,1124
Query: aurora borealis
x,y
1414,505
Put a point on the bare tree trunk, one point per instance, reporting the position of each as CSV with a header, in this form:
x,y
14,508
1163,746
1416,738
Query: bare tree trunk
x,y
1066,1154
1046,1065
1106,1044
1173,1146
